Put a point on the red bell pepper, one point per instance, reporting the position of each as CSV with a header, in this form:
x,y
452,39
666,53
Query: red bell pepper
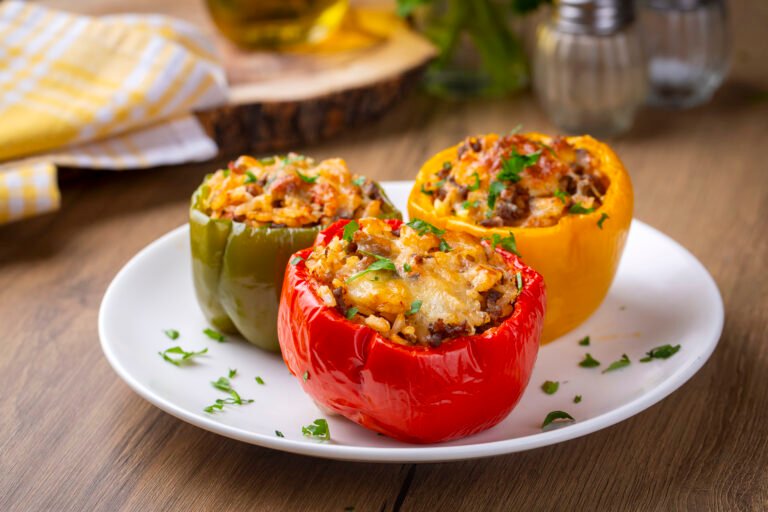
x,y
416,393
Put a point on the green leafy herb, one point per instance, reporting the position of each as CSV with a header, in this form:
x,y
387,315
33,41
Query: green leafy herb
x,y
519,281
415,307
550,387
307,179
423,227
250,177
296,260
219,404
359,181
350,229
577,399
447,166
621,363
222,384
425,191
512,167
470,204
214,335
562,196
226,172
578,209
661,352
589,361
407,267
584,342
508,243
476,185
259,380
185,355
495,189
172,333
557,418
305,376
318,430
444,247
267,160
232,372
351,312
381,263
603,216
279,434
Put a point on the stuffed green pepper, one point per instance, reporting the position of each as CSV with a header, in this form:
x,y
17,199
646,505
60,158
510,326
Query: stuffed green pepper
x,y
246,221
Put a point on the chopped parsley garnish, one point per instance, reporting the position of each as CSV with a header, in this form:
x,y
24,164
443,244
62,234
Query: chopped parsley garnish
x,y
603,216
407,267
226,172
232,372
259,380
351,312
305,376
214,335
222,384
425,191
557,418
577,399
349,230
444,247
519,280
550,387
589,361
470,204
562,196
381,263
267,160
512,167
307,179
447,166
415,307
185,355
296,260
584,342
359,181
476,185
661,352
318,430
508,243
250,177
172,333
621,363
496,188
279,434
423,227
578,209
219,404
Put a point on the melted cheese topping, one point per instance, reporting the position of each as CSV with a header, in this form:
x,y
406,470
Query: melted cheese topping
x,y
292,191
414,285
517,181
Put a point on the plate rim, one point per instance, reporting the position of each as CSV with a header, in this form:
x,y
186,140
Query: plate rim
x,y
417,453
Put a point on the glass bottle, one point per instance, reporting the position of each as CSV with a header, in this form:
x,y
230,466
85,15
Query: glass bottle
x,y
589,70
686,44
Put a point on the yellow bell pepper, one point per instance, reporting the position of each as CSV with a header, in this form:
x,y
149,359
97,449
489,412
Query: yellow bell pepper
x,y
577,258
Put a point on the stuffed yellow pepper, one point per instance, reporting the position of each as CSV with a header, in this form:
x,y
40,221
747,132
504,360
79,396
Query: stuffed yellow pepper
x,y
566,201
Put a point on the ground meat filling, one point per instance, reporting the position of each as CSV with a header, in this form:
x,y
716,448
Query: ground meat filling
x,y
517,181
289,191
414,284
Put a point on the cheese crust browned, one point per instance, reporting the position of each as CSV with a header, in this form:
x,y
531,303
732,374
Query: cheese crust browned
x,y
517,181
289,191
414,285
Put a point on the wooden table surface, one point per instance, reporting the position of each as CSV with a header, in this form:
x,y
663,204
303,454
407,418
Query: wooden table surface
x,y
74,437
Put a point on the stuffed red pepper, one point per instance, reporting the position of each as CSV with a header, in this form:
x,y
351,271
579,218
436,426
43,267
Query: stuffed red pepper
x,y
414,332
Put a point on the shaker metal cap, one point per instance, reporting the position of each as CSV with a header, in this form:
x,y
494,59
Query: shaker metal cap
x,y
601,17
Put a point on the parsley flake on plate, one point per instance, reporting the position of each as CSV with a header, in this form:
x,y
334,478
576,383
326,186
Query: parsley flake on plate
x,y
577,399
168,354
620,363
660,352
279,434
259,380
557,419
232,372
171,333
589,361
550,387
318,429
584,342
214,335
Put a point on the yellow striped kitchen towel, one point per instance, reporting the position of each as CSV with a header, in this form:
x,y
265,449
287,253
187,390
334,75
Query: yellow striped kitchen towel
x,y
113,92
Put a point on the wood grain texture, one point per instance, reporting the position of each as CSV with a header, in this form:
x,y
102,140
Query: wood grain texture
x,y
74,437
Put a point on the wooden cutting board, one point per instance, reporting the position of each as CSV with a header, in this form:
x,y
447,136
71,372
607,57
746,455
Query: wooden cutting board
x,y
282,100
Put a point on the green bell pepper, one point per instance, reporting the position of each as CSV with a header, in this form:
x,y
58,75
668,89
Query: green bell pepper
x,y
238,269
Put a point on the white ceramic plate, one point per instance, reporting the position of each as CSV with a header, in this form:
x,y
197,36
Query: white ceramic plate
x,y
661,295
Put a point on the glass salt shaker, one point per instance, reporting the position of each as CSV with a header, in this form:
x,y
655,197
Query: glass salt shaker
x,y
686,44
589,70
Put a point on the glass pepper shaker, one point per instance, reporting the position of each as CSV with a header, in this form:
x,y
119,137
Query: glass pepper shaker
x,y
686,44
589,70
